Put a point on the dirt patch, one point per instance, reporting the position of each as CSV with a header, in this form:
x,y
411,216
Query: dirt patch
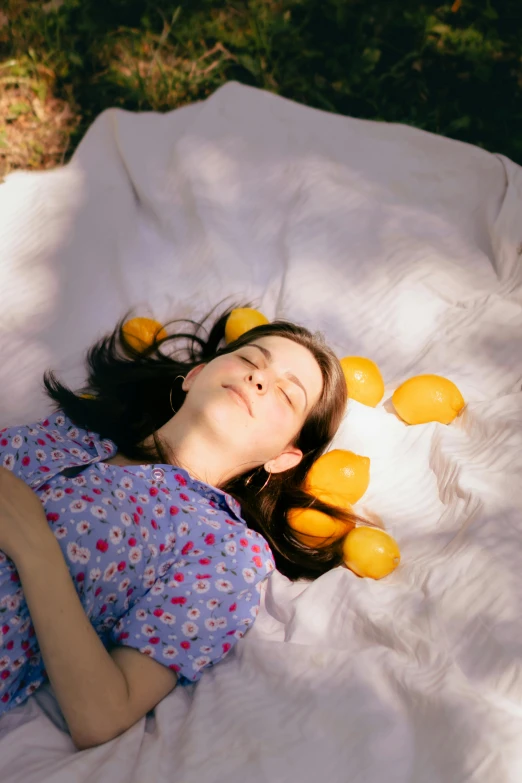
x,y
35,125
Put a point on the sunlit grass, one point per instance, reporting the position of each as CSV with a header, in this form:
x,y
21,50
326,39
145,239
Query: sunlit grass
x,y
451,68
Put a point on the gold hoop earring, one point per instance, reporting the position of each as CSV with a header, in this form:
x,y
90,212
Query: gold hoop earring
x,y
171,388
266,482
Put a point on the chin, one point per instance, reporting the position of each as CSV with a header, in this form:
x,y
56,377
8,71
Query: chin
x,y
227,419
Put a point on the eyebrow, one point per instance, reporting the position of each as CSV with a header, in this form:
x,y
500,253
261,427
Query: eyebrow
x,y
291,377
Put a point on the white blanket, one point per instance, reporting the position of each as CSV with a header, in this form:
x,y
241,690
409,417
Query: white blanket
x,y
399,245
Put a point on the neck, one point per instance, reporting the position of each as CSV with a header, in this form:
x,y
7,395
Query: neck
x,y
193,447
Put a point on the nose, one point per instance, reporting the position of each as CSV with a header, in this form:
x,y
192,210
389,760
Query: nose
x,y
258,379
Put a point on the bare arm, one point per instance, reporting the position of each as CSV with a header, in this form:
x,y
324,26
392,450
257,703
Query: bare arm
x,y
101,694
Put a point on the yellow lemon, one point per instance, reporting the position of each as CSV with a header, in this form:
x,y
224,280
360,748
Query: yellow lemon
x,y
339,477
141,332
368,551
315,528
363,379
428,398
241,320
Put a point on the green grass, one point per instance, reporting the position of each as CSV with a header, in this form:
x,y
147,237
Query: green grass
x,y
451,69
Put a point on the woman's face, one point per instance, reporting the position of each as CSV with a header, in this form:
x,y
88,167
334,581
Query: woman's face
x,y
256,400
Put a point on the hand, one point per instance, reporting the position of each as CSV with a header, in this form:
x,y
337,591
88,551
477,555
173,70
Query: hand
x,y
23,524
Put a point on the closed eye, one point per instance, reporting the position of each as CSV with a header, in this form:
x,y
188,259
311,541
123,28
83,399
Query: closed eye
x,y
288,398
249,362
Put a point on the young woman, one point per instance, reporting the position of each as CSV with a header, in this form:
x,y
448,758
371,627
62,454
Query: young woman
x,y
138,521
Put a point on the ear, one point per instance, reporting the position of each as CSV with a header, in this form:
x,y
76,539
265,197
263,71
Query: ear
x,y
190,377
288,458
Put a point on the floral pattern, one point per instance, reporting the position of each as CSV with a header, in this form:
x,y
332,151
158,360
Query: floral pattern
x,y
161,561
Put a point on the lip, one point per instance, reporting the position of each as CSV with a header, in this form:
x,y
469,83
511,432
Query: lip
x,y
242,396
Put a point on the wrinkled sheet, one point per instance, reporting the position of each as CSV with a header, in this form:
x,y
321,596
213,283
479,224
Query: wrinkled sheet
x,y
396,244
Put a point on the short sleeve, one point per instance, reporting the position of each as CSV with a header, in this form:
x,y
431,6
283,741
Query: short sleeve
x,y
201,604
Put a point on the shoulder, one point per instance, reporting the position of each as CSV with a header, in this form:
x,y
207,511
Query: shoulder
x,y
255,555
226,545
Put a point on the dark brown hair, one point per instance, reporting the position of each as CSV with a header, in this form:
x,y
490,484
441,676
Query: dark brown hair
x,y
131,394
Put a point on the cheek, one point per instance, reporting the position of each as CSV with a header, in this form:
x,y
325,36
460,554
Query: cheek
x,y
214,373
279,420
226,363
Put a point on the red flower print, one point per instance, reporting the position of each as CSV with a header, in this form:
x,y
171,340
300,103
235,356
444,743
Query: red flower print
x,y
203,576
130,591
188,546
185,645
243,542
158,612
96,491
266,548
184,497
5,628
123,635
210,539
174,667
4,442
53,440
80,577
179,577
229,522
10,644
136,518
14,578
232,608
139,510
103,609
226,647
174,510
132,541
257,561
121,565
153,492
154,639
26,460
25,645
256,548
133,498
88,498
45,423
5,697
180,600
180,479
69,491
102,545
53,517
97,591
161,547
154,524
45,469
5,674
40,442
